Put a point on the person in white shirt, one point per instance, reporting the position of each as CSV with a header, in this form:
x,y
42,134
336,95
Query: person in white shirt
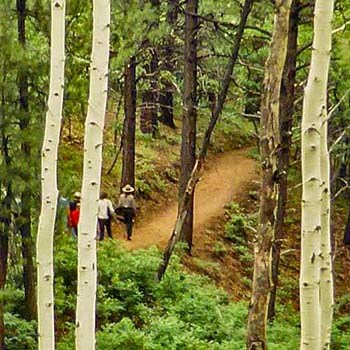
x,y
105,214
127,208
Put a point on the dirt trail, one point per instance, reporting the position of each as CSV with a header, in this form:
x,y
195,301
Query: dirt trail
x,y
223,180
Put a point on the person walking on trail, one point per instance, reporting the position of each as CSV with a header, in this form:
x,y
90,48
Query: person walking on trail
x,y
127,208
73,218
105,214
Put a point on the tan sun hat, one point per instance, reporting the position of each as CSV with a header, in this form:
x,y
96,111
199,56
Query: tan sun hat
x,y
128,189
77,195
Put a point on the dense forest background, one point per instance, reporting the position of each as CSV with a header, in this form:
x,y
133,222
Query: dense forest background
x,y
202,300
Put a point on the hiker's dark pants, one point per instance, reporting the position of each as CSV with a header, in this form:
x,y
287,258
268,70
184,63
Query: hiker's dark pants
x,y
128,215
102,224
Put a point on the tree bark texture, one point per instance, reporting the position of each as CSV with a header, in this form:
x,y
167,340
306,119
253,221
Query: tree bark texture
x,y
315,297
4,244
286,123
189,117
94,125
166,96
49,191
128,163
186,199
270,146
3,275
25,226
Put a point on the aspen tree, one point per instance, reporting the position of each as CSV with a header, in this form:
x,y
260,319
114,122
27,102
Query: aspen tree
x,y
49,196
87,269
326,285
270,145
316,304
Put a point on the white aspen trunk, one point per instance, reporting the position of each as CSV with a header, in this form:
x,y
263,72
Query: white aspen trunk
x,y
315,106
326,283
49,195
87,269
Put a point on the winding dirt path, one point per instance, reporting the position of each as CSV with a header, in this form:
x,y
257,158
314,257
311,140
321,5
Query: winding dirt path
x,y
225,177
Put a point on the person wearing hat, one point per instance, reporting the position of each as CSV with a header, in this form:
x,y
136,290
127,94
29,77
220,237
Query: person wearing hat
x,y
127,208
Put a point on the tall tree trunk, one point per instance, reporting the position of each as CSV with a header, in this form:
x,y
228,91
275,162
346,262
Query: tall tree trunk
x,y
189,118
4,234
4,239
286,122
149,107
186,200
166,98
270,145
49,193
128,164
326,285
25,226
94,125
315,294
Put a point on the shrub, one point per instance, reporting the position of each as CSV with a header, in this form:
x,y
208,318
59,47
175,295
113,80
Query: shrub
x,y
20,334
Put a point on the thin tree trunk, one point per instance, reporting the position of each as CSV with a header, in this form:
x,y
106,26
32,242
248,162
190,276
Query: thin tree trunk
x,y
270,146
4,246
189,118
312,293
3,274
128,163
326,274
166,96
49,194
94,125
326,285
25,226
191,183
286,122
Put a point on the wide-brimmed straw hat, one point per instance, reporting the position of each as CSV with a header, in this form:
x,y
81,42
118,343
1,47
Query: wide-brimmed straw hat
x,y
128,189
77,195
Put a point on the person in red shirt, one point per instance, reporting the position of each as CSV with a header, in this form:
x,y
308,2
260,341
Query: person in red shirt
x,y
73,218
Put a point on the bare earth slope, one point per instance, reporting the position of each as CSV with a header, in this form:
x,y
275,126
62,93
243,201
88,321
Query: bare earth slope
x,y
224,179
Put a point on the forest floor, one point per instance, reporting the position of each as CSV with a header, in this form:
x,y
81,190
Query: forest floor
x,y
233,176
225,178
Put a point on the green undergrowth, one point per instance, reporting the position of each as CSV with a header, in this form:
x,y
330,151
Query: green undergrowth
x,y
238,230
135,312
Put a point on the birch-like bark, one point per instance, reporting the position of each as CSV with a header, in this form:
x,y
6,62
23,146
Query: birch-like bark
x,y
315,107
87,260
49,192
326,285
270,146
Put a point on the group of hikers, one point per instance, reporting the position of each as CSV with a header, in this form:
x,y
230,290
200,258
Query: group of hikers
x,y
124,212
